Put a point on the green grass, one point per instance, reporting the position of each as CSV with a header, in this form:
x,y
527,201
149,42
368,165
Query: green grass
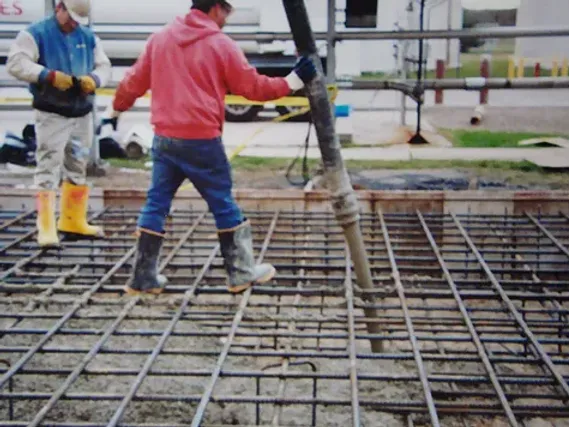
x,y
128,163
238,163
487,139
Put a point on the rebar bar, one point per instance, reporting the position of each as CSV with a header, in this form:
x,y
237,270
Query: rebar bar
x,y
486,296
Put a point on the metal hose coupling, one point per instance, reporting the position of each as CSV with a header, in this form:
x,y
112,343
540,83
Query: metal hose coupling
x,y
342,195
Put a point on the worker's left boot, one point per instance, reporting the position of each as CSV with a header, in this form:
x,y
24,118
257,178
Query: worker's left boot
x,y
237,249
73,213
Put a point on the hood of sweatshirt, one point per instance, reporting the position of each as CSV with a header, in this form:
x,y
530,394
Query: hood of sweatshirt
x,y
195,26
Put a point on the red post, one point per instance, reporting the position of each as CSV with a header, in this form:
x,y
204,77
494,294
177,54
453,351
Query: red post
x,y
537,70
440,74
484,72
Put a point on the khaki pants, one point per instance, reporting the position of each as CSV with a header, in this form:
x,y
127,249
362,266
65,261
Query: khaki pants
x,y
62,149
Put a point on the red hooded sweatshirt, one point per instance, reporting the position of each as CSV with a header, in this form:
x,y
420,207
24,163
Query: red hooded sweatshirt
x,y
189,66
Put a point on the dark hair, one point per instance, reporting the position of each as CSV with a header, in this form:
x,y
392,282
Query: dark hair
x,y
206,5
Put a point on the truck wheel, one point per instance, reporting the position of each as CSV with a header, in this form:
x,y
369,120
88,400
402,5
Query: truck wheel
x,y
241,113
283,110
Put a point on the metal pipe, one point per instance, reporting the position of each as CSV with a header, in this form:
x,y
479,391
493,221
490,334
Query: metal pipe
x,y
477,115
417,138
344,199
331,42
267,37
93,166
474,83
409,85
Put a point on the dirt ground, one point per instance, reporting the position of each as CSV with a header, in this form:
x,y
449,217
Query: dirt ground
x,y
415,179
140,179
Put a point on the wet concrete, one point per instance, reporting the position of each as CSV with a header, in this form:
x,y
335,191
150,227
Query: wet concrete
x,y
427,180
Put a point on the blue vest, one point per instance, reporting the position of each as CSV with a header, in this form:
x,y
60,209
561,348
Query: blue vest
x,y
71,53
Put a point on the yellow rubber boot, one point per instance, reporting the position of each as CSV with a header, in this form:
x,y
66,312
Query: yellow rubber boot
x,y
45,222
73,213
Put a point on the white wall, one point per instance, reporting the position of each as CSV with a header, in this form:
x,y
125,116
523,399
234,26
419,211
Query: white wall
x,y
379,54
543,13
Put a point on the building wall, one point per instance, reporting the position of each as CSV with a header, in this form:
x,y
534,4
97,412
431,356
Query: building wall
x,y
543,13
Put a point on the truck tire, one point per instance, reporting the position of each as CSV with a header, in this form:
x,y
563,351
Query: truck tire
x,y
241,113
283,110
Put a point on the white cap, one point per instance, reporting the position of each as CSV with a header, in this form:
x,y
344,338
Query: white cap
x,y
78,10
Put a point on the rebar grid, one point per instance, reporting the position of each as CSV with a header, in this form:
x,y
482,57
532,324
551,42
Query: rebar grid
x,y
473,314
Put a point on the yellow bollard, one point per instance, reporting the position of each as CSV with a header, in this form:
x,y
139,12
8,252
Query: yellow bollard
x,y
521,68
511,68
555,68
565,68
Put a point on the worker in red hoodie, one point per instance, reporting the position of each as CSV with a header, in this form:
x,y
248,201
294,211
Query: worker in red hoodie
x,y
189,66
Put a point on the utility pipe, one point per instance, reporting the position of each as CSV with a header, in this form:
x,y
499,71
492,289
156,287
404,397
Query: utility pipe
x,y
267,37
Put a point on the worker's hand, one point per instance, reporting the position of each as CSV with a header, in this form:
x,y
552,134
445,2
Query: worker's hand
x,y
304,72
88,84
113,121
60,80
110,116
111,113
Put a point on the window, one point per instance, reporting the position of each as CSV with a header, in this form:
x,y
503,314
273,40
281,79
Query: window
x,y
361,13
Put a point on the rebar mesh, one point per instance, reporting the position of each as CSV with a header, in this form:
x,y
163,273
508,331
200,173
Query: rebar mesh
x,y
473,314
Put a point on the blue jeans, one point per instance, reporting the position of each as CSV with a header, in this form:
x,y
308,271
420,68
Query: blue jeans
x,y
205,164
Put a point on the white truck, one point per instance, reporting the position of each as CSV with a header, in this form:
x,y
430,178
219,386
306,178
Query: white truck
x,y
254,16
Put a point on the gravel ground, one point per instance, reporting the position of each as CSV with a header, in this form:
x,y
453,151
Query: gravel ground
x,y
516,119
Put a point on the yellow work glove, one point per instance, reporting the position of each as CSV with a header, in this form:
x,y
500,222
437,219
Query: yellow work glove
x,y
60,80
88,84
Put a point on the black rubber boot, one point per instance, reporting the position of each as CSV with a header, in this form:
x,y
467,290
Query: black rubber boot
x,y
237,250
144,278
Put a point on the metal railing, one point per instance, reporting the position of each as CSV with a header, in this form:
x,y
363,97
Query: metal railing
x,y
133,34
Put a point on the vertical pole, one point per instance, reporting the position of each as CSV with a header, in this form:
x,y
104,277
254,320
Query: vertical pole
x,y
404,64
94,154
418,138
555,68
521,68
49,7
440,75
484,72
537,69
449,27
343,197
403,54
565,68
331,49
511,68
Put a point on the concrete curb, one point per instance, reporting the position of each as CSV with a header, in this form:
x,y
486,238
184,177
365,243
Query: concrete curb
x,y
459,202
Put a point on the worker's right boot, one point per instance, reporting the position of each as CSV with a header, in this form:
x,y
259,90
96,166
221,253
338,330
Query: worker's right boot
x,y
47,231
144,278
237,249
